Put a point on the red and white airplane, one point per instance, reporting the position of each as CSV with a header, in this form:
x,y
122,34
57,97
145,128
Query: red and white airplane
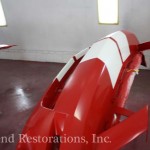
x,y
83,106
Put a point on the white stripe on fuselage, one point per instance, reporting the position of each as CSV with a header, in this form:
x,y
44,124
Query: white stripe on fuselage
x,y
107,51
81,53
65,69
122,42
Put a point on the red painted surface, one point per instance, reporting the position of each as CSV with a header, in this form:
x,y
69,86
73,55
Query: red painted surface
x,y
144,46
85,105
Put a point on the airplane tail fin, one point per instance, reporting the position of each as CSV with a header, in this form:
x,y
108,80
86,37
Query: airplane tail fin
x,y
124,132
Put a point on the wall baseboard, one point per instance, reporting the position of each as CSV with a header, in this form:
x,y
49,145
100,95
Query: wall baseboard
x,y
37,55
46,56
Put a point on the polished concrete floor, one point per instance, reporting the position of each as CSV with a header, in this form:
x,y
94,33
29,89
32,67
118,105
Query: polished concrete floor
x,y
22,84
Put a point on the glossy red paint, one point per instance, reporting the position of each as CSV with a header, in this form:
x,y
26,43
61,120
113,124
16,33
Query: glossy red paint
x,y
120,134
86,103
144,46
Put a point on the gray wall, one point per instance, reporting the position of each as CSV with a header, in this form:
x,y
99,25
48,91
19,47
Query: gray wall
x,y
54,30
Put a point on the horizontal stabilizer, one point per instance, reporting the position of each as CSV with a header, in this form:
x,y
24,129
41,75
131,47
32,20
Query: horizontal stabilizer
x,y
144,46
124,132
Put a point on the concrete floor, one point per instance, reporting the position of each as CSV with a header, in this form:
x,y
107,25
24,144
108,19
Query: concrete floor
x,y
22,84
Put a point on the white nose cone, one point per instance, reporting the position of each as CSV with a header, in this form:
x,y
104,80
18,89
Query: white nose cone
x,y
2,16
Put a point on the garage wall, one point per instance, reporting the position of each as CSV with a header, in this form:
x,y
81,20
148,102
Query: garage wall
x,y
54,30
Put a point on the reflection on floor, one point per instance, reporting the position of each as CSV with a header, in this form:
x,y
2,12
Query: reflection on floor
x,y
22,84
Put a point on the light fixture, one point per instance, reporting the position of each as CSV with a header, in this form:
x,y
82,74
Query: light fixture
x,y
108,11
2,16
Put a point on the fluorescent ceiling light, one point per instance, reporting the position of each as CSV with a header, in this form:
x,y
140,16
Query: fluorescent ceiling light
x,y
108,11
2,16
